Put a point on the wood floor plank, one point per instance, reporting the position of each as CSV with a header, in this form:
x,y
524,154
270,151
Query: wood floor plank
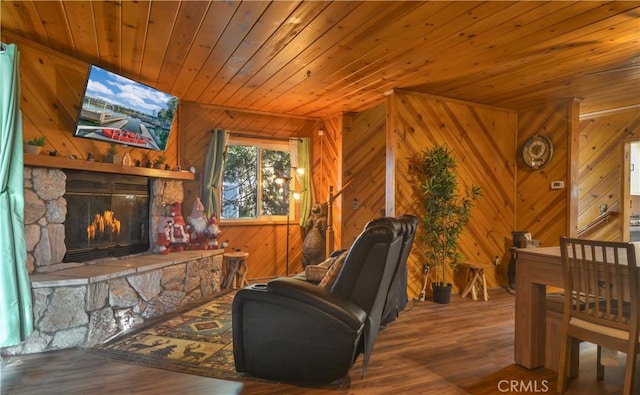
x,y
465,347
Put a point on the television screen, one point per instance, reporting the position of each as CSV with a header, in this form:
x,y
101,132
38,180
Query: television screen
x,y
118,110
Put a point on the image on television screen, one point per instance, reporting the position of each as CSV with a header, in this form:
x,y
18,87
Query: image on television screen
x,y
118,110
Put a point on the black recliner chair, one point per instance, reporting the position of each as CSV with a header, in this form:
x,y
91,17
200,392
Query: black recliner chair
x,y
296,331
397,297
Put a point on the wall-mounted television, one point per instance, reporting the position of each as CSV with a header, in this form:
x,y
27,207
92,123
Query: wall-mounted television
x,y
118,110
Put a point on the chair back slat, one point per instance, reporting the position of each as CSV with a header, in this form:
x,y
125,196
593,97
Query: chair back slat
x,y
601,276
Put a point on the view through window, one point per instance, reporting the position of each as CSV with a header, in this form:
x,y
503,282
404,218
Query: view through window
x,y
251,187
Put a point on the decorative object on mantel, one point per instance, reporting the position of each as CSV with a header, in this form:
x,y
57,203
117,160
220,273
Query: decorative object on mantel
x,y
537,151
158,163
126,159
203,233
112,155
34,146
443,214
146,162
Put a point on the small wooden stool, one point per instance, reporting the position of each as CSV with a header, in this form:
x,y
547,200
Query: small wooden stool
x,y
476,281
236,276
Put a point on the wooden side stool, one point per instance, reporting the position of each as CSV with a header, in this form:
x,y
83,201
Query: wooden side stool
x,y
236,276
476,281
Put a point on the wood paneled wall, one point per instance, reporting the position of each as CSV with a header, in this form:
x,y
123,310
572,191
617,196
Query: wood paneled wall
x,y
367,147
483,140
265,242
327,165
600,161
541,210
51,91
51,88
364,163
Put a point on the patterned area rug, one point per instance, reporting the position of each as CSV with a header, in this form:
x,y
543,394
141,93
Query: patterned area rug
x,y
197,341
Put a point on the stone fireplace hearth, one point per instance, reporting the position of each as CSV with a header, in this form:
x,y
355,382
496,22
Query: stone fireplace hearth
x,y
46,212
80,304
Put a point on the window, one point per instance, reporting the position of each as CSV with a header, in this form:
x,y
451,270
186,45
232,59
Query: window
x,y
252,185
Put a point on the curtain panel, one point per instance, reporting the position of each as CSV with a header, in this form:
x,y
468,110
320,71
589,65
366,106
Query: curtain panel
x,y
212,182
304,162
16,310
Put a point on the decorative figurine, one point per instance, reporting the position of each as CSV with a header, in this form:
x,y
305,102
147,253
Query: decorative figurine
x,y
203,233
172,233
164,235
179,234
314,245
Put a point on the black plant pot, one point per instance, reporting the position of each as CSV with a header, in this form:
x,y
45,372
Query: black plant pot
x,y
441,293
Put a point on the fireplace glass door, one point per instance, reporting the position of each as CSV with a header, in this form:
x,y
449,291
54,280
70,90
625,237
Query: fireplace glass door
x,y
107,216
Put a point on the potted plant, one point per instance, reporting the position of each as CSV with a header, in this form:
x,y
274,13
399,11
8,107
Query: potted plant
x,y
34,146
112,154
158,163
444,213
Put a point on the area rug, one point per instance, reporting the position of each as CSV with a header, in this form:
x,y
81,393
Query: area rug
x,y
197,341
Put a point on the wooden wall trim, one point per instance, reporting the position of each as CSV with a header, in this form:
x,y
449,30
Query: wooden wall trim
x,y
448,99
79,164
573,167
391,160
257,112
596,114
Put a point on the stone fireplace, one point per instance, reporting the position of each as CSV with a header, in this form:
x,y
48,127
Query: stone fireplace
x,y
83,302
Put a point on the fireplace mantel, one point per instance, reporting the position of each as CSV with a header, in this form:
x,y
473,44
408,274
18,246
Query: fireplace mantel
x,y
78,164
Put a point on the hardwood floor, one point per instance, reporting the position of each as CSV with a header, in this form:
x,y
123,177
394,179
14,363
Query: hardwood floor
x,y
462,348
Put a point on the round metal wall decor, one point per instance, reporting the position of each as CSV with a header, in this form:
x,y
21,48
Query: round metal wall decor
x,y
537,151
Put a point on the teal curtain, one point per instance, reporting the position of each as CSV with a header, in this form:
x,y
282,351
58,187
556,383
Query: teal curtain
x,y
304,161
16,312
212,182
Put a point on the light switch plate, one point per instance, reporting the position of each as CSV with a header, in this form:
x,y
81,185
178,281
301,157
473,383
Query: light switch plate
x,y
557,184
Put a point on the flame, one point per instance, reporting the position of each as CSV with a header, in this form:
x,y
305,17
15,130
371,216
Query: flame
x,y
101,222
91,231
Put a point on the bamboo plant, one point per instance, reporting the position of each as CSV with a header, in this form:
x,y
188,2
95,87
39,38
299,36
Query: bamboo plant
x,y
444,212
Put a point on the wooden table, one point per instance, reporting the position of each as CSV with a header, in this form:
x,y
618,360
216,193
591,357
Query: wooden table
x,y
535,269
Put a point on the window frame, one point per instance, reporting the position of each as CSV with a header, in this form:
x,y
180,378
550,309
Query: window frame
x,y
262,144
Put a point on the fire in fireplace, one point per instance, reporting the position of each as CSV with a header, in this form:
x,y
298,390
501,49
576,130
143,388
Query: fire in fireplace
x,y
107,215
102,223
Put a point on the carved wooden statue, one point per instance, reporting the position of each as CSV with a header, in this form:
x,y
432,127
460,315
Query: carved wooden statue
x,y
313,248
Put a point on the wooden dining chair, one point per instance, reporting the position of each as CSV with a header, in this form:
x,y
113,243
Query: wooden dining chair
x,y
607,274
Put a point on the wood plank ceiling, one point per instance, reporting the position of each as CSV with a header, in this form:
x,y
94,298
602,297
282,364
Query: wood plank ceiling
x,y
318,59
